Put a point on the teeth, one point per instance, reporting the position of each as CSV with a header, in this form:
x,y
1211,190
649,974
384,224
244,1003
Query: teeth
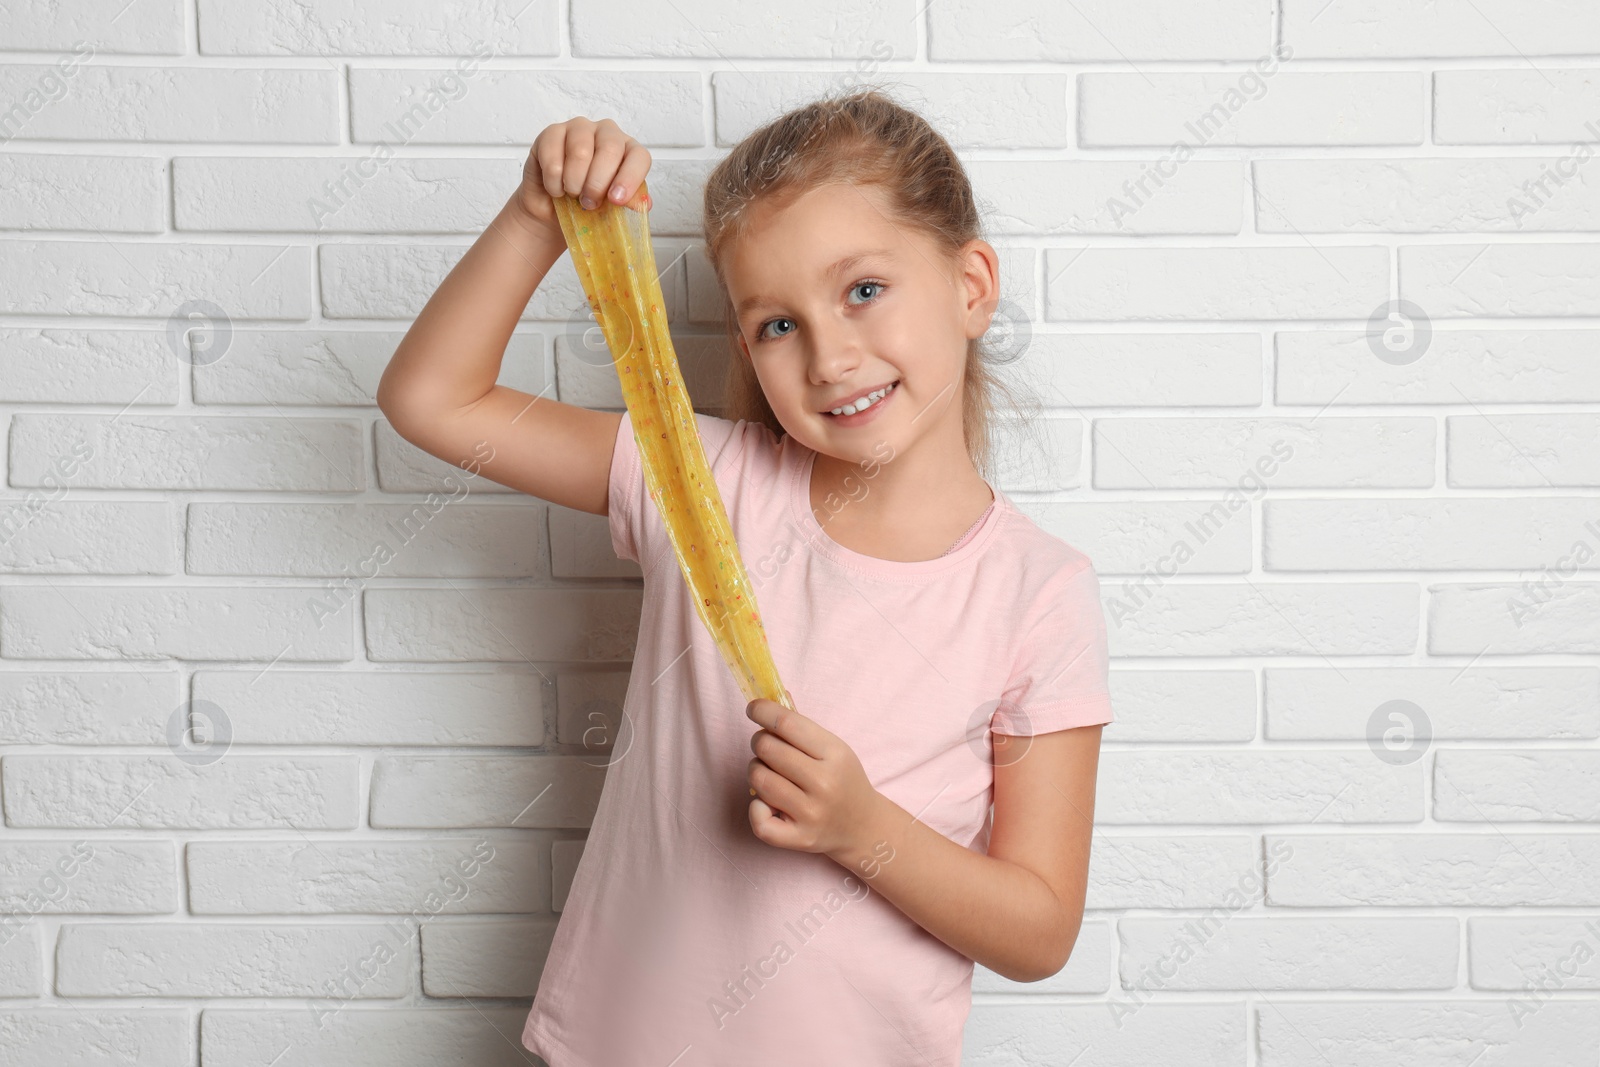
x,y
865,402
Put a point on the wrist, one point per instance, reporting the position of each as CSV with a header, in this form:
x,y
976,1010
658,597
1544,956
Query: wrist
x,y
872,840
542,236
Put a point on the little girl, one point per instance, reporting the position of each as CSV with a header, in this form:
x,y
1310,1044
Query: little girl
x,y
786,888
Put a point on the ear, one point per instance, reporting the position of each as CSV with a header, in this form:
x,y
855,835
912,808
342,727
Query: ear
x,y
980,271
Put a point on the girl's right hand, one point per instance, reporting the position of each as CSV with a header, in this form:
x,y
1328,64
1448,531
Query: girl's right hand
x,y
593,161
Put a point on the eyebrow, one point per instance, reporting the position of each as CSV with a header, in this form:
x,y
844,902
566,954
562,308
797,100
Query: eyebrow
x,y
839,267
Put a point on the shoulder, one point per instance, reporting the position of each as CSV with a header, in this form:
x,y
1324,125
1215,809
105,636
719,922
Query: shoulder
x,y
736,444
1042,569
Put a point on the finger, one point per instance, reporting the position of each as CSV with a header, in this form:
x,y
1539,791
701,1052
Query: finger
x,y
630,174
548,153
611,144
579,153
773,787
799,730
772,828
784,758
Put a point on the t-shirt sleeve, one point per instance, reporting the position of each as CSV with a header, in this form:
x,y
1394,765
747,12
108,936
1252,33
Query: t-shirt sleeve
x,y
1061,676
626,499
637,530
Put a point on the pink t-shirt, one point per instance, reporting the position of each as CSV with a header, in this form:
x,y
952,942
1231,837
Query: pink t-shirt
x,y
686,940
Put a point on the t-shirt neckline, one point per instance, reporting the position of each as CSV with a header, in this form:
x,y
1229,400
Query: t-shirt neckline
x,y
817,537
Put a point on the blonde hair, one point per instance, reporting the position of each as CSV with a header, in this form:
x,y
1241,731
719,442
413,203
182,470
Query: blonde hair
x,y
863,137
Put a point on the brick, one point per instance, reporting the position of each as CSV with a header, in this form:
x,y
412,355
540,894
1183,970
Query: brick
x,y
185,104
1220,1033
373,28
1485,702
1526,194
1099,30
21,973
1508,106
110,707
1182,705
84,876
1530,786
1234,283
49,535
462,791
370,193
1252,953
393,1035
1501,279
1007,111
1261,619
637,29
1081,370
359,542
183,452
1425,533
1489,869
231,960
82,278
1258,106
60,27
485,959
1367,1031
155,622
662,109
1547,613
518,625
35,1037
1328,367
1191,870
117,194
1220,788
1554,952
307,707
164,792
125,367
1371,29
331,367
1543,450
1253,456
1112,196
417,878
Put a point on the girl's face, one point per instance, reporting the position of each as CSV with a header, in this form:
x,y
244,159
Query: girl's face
x,y
835,301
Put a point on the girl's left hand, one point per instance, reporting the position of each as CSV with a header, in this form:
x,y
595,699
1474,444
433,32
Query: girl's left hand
x,y
823,799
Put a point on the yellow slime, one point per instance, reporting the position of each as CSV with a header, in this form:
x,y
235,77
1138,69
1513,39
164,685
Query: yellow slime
x,y
611,250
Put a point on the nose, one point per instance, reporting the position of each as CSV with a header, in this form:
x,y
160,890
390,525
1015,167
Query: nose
x,y
834,353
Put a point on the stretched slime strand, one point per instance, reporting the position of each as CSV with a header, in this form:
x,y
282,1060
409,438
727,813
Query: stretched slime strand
x,y
616,263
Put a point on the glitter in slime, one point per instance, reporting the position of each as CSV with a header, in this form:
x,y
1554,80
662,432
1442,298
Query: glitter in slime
x,y
611,251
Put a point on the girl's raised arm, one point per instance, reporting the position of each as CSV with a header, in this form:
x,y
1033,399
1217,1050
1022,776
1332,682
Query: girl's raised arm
x,y
439,390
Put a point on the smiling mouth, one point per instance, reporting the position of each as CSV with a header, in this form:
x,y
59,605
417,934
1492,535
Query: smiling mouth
x,y
865,403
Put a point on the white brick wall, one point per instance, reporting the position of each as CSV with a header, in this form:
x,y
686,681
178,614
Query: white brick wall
x,y
1349,810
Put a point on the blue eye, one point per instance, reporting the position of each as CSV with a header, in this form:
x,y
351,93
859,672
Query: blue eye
x,y
862,284
761,331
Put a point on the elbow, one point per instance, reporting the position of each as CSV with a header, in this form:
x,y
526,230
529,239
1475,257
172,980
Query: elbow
x,y
1039,970
1054,954
1035,969
397,408
386,400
